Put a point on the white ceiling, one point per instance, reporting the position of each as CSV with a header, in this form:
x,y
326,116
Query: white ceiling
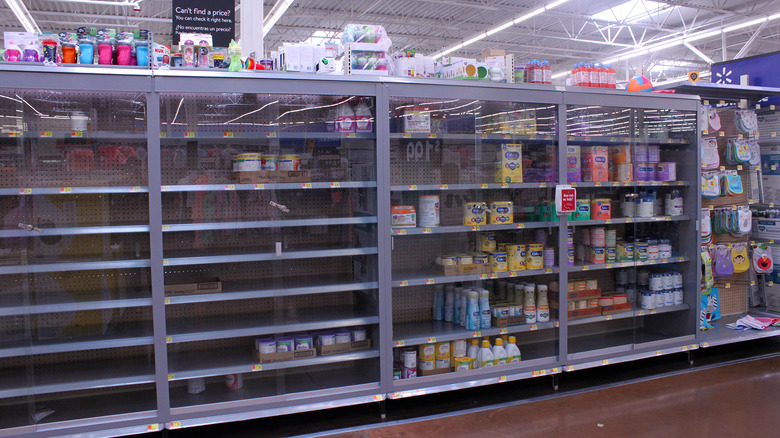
x,y
564,35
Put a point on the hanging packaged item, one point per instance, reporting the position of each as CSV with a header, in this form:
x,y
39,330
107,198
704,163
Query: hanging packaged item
x,y
746,121
710,185
724,267
710,308
713,119
707,275
737,151
755,152
706,227
731,183
740,259
762,259
710,159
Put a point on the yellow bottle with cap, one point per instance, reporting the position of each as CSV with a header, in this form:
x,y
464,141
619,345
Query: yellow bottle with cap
x,y
473,351
512,352
499,353
485,356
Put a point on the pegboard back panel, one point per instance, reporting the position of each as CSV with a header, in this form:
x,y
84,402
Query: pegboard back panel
x,y
733,294
278,309
267,274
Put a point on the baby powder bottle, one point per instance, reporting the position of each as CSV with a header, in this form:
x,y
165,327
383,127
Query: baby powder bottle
x,y
542,306
473,350
485,356
499,353
529,308
512,352
484,308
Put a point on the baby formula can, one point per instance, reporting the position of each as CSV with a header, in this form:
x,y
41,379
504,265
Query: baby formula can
x,y
429,211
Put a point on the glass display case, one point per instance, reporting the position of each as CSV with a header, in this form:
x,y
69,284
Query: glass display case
x,y
633,275
76,338
269,236
474,237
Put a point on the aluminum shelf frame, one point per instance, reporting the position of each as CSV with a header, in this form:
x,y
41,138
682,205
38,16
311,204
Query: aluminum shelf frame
x,y
418,278
416,333
86,135
268,224
237,292
627,264
259,257
587,185
34,268
37,309
630,314
629,220
467,228
77,231
74,190
471,137
230,136
487,186
270,186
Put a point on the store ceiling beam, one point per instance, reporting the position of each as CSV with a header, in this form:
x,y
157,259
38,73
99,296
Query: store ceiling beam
x,y
93,16
698,52
749,44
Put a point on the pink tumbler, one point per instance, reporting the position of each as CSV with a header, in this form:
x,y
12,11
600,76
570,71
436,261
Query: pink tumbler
x,y
105,52
12,55
123,56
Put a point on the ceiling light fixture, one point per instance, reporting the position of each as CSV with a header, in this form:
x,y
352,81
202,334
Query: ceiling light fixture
x,y
683,40
23,15
275,14
105,2
499,28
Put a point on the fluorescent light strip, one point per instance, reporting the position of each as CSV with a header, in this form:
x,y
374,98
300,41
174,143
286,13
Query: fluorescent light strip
x,y
276,13
679,41
23,15
499,28
104,2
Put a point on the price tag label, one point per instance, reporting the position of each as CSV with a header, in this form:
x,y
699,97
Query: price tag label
x,y
504,185
432,339
597,184
612,139
721,134
189,134
519,226
557,324
165,188
257,367
174,425
506,136
770,283
548,271
586,268
335,184
66,189
403,283
570,137
669,140
444,186
653,311
607,221
483,135
430,281
587,138
605,362
378,397
227,134
739,136
758,106
168,339
640,313
502,379
609,266
406,135
539,373
270,135
134,189
171,376
400,232
476,334
493,275
483,186
573,184
727,285
608,317
475,228
694,347
705,344
163,134
542,184
259,186
483,276
76,134
351,135
400,343
306,185
165,262
752,283
657,352
705,132
533,327
569,368
739,167
46,134
513,273
427,231
772,107
25,191
684,348
412,187
432,135
152,427
503,331
230,186
167,301
773,134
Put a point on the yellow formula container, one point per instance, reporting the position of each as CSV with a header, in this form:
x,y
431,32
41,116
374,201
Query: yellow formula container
x,y
474,213
498,261
534,257
516,257
501,213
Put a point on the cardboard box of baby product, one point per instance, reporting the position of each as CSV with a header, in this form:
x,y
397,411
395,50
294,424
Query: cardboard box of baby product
x,y
206,286
506,321
284,356
344,347
422,373
480,268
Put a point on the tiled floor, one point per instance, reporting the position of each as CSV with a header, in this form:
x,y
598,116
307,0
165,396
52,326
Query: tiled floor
x,y
730,401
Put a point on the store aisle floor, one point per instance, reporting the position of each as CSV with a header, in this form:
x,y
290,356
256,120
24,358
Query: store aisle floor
x,y
729,401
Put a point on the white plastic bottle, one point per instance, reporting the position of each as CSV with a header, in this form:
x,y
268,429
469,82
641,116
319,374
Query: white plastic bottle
x,y
473,350
464,293
438,302
512,352
485,356
472,311
499,353
449,304
529,308
484,308
363,117
542,305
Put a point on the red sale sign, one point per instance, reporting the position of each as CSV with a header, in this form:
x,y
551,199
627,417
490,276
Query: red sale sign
x,y
565,199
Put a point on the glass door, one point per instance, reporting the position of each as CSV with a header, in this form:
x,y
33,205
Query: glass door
x,y
474,239
76,305
270,246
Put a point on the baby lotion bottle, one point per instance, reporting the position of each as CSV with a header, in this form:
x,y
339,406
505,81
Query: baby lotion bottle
x,y
512,352
485,356
499,353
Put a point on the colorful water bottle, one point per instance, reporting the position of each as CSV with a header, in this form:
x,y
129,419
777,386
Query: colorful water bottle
x,y
12,55
142,54
123,55
49,49
234,53
30,55
105,52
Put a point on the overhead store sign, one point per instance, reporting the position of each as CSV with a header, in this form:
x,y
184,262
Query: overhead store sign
x,y
216,17
761,71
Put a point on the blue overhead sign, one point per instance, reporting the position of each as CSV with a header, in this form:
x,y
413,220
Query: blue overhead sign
x,y
762,71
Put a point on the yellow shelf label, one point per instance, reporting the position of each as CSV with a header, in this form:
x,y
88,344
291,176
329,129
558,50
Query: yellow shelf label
x,y
76,134
430,281
66,189
542,184
585,268
513,273
773,134
727,285
400,343
504,185
684,348
519,226
46,134
555,370
752,283
721,134
609,266
257,367
230,186
608,317
483,276
694,347
427,231
168,339
413,187
605,362
432,135
739,136
403,283
134,189
259,186
653,311
306,185
165,188
612,139
506,136
152,427
502,379
503,331
533,327
163,134
351,135
587,138
25,191
640,313
432,339
171,376
189,134
475,228
270,134
406,135
557,324
739,167
705,344
335,184
378,397
657,352
597,183
165,262
705,132
174,425
400,232
539,373
476,334
772,107
167,301
227,134
548,271
444,187
569,368
493,275
483,186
